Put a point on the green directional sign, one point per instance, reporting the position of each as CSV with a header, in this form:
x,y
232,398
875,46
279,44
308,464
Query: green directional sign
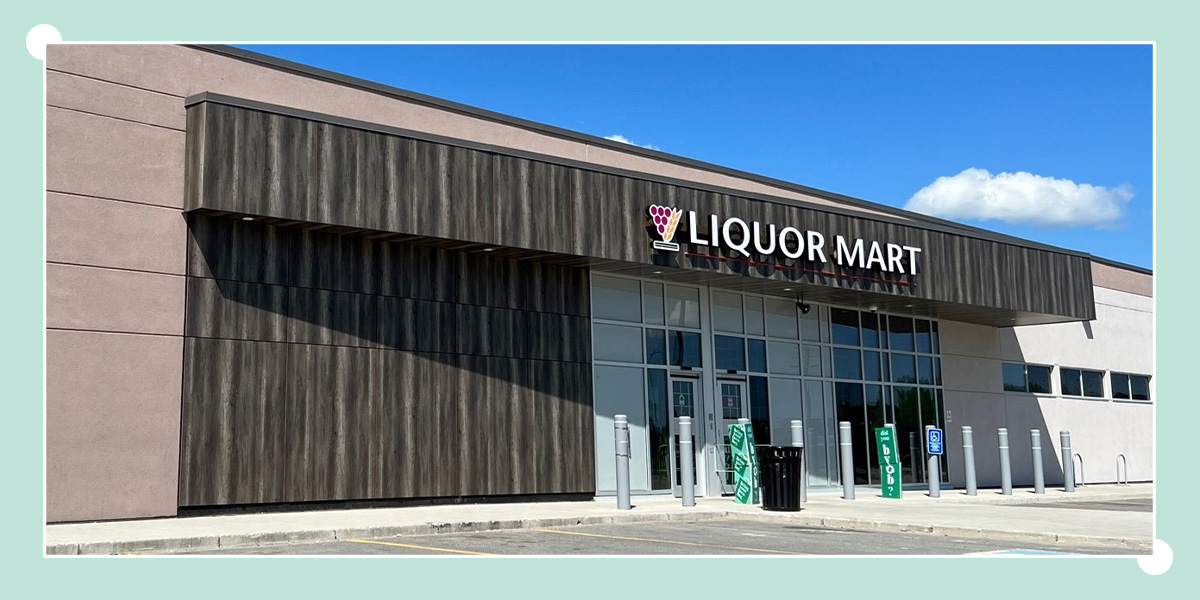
x,y
745,464
889,461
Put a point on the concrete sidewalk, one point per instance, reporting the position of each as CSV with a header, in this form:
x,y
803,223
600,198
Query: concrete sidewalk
x,y
988,515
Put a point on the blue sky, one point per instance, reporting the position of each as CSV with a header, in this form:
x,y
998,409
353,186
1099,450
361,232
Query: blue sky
x,y
882,123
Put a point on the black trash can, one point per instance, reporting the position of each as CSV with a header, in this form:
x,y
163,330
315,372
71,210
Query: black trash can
x,y
780,476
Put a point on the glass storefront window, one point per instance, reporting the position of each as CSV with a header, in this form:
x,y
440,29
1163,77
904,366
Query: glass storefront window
x,y
811,365
683,307
844,324
924,340
617,343
871,370
756,351
616,299
727,312
783,358
781,319
810,325
900,333
754,316
660,434
847,364
652,303
925,370
760,410
683,348
849,400
870,330
730,353
904,368
656,347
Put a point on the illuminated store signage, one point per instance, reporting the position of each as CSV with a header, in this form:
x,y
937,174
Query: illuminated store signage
x,y
789,242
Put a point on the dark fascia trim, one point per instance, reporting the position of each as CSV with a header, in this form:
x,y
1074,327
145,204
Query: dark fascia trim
x,y
566,162
1120,265
473,111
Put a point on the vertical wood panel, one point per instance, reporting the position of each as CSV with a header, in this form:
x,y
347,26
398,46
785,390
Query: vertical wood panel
x,y
380,386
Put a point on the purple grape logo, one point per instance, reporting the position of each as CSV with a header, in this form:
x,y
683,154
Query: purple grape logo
x,y
666,221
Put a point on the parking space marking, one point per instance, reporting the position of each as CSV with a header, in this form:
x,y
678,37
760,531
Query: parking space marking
x,y
641,539
421,547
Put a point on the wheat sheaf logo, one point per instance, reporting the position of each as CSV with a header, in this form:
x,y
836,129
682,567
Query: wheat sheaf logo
x,y
666,221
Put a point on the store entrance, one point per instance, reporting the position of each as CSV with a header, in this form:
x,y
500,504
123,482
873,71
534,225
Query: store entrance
x,y
732,406
685,397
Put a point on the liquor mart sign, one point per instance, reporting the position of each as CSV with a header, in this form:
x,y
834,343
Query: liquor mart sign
x,y
771,240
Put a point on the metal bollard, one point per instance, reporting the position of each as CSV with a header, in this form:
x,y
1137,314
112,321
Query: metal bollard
x,y
935,471
686,455
969,458
798,442
1068,463
847,448
621,426
1005,468
1039,478
912,456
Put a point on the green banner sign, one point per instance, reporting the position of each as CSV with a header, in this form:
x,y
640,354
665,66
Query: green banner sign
x,y
889,461
745,463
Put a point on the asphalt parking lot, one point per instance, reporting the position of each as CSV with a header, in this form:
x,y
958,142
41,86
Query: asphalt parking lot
x,y
713,537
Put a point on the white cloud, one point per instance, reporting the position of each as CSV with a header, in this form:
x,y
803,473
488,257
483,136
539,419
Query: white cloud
x,y
1022,198
616,137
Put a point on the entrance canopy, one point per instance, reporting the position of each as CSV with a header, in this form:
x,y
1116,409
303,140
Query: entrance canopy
x,y
284,165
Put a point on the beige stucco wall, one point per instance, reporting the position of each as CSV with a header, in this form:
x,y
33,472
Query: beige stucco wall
x,y
1120,339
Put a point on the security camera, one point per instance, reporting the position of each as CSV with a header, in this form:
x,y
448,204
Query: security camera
x,y
804,308
874,308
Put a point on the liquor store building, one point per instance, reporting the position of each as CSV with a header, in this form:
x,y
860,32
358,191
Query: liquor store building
x,y
269,284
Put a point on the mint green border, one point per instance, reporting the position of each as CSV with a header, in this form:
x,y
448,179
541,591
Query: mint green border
x,y
28,574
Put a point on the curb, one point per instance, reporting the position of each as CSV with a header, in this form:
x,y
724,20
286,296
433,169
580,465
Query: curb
x,y
218,542
253,540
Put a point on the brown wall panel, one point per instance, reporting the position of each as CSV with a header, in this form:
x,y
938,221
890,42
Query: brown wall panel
x,y
345,368
234,422
387,182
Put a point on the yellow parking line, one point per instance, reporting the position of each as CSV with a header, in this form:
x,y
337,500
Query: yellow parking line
x,y
420,547
638,539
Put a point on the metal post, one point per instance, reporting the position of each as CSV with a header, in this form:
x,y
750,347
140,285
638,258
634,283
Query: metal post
x,y
969,458
847,447
798,441
1064,437
934,470
1005,468
621,426
1039,479
686,455
912,455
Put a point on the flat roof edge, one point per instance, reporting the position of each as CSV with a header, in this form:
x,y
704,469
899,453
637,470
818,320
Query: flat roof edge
x,y
1120,265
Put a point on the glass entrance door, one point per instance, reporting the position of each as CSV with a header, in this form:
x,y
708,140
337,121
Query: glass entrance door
x,y
732,406
685,397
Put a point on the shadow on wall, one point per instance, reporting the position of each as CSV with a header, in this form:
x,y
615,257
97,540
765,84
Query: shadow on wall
x,y
257,282
990,409
316,364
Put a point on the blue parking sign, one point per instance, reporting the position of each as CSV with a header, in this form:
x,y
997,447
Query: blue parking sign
x,y
933,442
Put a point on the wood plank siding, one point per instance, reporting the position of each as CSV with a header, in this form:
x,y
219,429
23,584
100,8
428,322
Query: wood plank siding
x,y
327,367
252,161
